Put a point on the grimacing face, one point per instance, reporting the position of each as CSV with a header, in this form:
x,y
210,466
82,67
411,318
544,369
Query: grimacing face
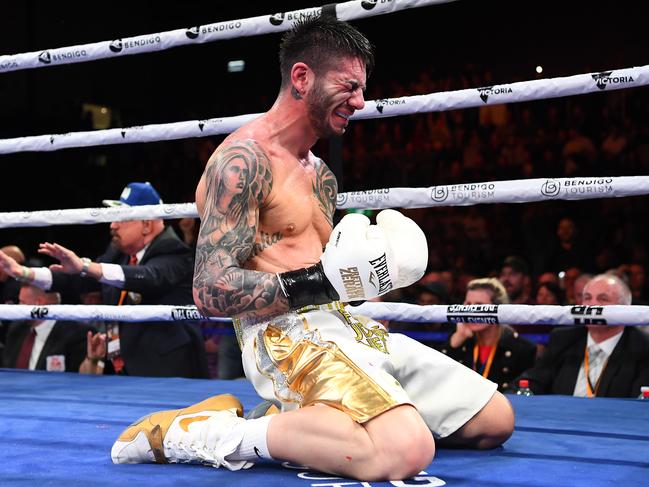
x,y
335,96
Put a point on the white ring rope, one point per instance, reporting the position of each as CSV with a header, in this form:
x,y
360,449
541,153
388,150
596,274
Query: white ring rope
x,y
434,102
264,24
514,314
517,191
88,216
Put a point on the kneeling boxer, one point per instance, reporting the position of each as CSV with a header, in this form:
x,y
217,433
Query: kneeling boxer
x,y
355,400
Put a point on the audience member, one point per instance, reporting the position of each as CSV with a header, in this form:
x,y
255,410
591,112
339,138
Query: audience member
x,y
568,278
431,293
567,250
548,277
515,277
9,288
578,288
56,346
597,360
636,275
189,231
146,263
495,351
550,293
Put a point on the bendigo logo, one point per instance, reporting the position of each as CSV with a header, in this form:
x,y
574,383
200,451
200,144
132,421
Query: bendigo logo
x,y
551,187
116,45
294,16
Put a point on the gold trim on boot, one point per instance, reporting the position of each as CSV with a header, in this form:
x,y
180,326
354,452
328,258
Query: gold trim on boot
x,y
156,425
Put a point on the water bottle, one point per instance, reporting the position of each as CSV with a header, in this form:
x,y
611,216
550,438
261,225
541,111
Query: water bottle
x,y
644,393
524,388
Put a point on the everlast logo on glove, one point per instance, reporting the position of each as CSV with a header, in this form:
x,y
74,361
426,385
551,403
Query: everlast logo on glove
x,y
352,282
381,268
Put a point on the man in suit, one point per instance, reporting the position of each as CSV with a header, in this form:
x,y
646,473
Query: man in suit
x,y
55,346
596,360
146,263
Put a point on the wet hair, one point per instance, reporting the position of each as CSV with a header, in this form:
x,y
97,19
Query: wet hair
x,y
319,42
491,284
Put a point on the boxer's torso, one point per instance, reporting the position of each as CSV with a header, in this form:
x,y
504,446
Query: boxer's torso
x,y
295,219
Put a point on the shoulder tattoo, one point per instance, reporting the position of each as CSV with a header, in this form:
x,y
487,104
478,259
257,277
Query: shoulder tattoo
x,y
325,190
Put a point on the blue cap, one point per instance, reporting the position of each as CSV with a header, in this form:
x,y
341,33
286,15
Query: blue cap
x,y
136,194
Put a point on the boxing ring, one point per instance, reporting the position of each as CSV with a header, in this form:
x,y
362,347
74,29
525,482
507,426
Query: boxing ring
x,y
59,427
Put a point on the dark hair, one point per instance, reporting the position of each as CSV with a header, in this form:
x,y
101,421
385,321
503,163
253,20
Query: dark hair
x,y
319,42
555,290
517,264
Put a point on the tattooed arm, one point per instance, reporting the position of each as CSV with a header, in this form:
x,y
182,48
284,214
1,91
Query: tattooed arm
x,y
325,190
237,180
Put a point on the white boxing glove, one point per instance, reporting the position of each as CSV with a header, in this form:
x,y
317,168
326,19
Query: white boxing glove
x,y
408,244
358,260
361,261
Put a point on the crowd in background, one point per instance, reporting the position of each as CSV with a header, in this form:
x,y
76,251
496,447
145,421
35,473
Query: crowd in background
x,y
603,135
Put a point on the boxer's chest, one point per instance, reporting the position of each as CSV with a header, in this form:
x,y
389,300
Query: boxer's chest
x,y
297,207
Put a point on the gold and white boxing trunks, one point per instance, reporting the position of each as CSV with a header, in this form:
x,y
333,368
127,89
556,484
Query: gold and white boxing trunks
x,y
325,355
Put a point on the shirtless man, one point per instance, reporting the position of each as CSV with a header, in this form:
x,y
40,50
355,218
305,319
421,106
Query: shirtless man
x,y
355,400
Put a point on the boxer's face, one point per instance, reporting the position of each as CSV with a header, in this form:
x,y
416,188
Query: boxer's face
x,y
335,96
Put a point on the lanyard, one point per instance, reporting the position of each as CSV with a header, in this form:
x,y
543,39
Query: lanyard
x,y
490,359
589,386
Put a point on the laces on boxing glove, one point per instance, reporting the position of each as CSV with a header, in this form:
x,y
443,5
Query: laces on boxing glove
x,y
307,286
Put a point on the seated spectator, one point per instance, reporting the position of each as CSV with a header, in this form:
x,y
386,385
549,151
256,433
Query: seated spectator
x,y
9,288
567,250
568,279
95,361
596,360
56,346
636,277
578,288
550,293
515,277
188,228
431,293
548,277
146,263
547,293
495,351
